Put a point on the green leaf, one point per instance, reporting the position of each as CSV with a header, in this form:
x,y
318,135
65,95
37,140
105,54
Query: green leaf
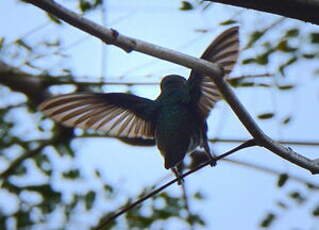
x,y
286,87
235,81
163,214
1,42
312,186
67,71
282,205
72,174
52,43
186,6
227,22
198,196
98,2
265,116
89,199
97,173
23,219
195,219
23,44
297,197
261,59
292,33
246,84
85,6
286,64
248,61
264,85
286,120
282,179
201,30
284,47
255,36
268,220
108,189
314,37
2,222
309,55
54,19
315,212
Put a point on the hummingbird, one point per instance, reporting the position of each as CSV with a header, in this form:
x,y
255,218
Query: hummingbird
x,y
176,119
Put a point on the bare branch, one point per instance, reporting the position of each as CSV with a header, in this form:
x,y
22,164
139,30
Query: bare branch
x,y
56,81
22,82
304,10
30,84
284,142
214,140
211,69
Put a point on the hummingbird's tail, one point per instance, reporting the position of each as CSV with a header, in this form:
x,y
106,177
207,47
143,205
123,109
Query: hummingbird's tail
x,y
172,158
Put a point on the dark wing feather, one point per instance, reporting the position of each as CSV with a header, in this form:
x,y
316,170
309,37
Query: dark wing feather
x,y
117,114
224,51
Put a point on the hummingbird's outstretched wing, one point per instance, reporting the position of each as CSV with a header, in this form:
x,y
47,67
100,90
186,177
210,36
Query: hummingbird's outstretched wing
x,y
117,114
224,51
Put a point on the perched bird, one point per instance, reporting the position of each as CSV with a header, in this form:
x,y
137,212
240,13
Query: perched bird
x,y
176,119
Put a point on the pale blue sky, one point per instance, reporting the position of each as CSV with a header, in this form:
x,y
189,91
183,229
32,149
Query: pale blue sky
x,y
237,197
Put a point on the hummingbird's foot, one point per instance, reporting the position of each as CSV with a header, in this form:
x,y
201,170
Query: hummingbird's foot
x,y
211,157
180,179
212,160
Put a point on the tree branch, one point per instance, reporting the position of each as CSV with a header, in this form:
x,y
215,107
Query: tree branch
x,y
211,69
286,142
30,84
304,10
20,81
58,81
148,142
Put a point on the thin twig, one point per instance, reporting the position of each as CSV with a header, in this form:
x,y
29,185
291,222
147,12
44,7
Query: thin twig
x,y
58,81
186,202
30,32
221,140
284,142
109,219
242,77
214,140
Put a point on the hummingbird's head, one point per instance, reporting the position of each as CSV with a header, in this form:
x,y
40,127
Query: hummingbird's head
x,y
172,81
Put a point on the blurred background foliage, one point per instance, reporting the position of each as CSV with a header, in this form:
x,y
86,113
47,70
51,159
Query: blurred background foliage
x,y
31,71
